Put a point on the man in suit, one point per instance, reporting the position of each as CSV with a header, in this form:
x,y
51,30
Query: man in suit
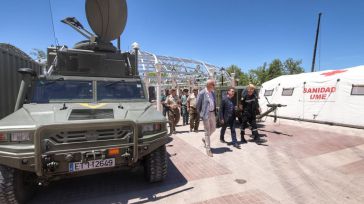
x,y
206,106
227,117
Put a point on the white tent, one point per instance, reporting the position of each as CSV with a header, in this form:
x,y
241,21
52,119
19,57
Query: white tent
x,y
330,96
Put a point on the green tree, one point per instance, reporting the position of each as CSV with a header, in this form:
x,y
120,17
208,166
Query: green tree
x,y
265,73
243,78
234,68
275,69
38,54
292,66
151,74
259,75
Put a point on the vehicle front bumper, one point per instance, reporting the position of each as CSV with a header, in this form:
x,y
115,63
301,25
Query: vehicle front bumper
x,y
29,157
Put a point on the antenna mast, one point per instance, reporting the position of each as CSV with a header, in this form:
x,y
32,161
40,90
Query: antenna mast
x,y
54,32
314,50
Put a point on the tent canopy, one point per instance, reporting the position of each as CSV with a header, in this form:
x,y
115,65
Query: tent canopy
x,y
335,96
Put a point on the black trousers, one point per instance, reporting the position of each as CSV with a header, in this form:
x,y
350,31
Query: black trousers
x,y
252,121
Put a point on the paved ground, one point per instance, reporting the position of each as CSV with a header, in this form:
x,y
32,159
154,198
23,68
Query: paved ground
x,y
300,163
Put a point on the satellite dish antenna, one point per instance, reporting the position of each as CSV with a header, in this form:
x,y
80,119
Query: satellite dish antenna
x,y
107,18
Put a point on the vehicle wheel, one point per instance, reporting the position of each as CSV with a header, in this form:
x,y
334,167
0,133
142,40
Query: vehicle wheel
x,y
155,165
16,186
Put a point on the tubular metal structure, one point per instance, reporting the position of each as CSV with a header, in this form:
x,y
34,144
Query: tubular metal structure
x,y
179,72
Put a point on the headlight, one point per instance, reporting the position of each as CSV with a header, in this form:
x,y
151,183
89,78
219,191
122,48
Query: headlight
x,y
147,128
20,136
3,137
150,128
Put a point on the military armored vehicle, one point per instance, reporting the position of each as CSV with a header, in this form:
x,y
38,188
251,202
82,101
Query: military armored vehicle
x,y
88,113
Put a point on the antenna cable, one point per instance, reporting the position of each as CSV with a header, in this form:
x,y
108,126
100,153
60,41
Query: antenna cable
x,y
54,32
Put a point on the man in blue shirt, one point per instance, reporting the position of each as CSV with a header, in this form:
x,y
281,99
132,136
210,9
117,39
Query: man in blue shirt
x,y
184,106
163,100
227,117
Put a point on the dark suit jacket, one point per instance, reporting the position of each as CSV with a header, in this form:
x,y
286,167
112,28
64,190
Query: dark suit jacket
x,y
227,110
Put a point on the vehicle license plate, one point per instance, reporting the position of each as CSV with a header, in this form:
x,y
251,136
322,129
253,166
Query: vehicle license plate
x,y
93,164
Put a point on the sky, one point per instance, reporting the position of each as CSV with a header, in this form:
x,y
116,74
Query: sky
x,y
246,33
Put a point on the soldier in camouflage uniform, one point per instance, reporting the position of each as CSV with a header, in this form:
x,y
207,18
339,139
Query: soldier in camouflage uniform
x,y
173,111
191,108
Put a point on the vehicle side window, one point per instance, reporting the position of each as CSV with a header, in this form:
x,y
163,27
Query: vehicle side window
x,y
287,91
357,89
268,92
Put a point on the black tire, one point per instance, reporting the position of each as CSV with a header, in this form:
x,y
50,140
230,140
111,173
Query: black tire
x,y
16,186
155,165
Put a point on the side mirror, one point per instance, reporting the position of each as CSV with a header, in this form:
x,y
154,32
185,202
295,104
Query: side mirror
x,y
27,75
27,71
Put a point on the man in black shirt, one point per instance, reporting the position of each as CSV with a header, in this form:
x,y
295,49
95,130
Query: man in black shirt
x,y
227,117
250,107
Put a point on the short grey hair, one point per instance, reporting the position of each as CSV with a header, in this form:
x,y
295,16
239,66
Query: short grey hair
x,y
210,81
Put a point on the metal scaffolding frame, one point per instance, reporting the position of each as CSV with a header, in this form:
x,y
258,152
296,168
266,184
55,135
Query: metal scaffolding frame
x,y
173,72
179,72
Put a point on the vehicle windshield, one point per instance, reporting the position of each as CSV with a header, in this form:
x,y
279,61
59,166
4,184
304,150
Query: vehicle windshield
x,y
46,91
119,90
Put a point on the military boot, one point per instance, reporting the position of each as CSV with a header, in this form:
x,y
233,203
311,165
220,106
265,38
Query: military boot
x,y
257,138
242,137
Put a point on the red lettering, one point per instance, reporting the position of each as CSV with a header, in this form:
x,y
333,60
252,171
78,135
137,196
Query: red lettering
x,y
319,90
318,96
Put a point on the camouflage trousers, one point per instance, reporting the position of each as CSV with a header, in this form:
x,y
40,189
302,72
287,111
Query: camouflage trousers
x,y
194,119
173,117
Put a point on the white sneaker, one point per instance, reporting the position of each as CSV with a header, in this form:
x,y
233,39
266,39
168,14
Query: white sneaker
x,y
209,153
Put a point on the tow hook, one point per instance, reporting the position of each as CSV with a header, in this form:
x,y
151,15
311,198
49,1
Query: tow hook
x,y
50,164
126,154
42,182
92,155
